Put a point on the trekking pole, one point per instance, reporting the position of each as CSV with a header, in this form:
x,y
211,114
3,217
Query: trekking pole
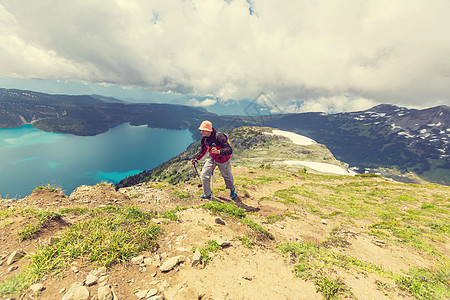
x,y
212,173
196,171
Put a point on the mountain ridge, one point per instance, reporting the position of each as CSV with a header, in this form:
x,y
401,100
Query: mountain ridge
x,y
385,136
258,146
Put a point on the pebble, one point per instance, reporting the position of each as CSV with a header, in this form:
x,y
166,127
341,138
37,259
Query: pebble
x,y
138,260
15,256
219,221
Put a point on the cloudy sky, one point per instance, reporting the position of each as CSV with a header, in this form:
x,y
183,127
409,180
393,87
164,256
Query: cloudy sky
x,y
332,55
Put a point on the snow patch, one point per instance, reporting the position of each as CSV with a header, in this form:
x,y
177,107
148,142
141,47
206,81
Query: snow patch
x,y
321,167
295,138
405,134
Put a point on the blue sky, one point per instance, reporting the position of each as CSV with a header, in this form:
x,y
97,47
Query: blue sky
x,y
348,54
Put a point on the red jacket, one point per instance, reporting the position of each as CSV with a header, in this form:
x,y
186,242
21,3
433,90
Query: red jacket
x,y
221,143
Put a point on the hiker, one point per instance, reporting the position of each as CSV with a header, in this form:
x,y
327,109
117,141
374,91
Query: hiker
x,y
219,148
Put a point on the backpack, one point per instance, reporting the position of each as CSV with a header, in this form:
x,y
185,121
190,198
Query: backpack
x,y
226,136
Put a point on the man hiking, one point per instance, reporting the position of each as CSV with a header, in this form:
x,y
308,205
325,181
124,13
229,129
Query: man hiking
x,y
219,148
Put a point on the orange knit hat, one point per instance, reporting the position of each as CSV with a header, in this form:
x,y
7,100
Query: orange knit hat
x,y
206,125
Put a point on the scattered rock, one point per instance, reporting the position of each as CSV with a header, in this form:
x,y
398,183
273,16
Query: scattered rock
x,y
76,292
91,280
279,226
196,259
151,293
15,256
323,221
222,243
37,287
148,261
219,221
10,269
105,293
138,260
99,271
142,294
171,263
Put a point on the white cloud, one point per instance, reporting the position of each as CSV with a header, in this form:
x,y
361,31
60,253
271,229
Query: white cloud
x,y
336,104
378,50
204,103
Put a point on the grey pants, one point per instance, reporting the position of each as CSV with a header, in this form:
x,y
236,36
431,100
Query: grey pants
x,y
207,170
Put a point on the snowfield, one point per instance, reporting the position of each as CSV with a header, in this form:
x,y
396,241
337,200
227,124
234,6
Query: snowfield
x,y
295,138
305,141
321,167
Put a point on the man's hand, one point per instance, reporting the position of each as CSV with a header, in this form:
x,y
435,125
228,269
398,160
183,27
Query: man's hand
x,y
194,161
215,151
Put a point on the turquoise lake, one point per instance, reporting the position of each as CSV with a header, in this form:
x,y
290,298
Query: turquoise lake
x,y
31,157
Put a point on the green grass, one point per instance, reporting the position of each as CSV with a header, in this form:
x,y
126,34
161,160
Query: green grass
x,y
427,283
179,194
274,218
331,288
420,217
112,235
232,210
4,213
247,242
104,183
260,232
49,187
135,196
226,208
7,223
262,179
29,231
16,284
211,247
314,262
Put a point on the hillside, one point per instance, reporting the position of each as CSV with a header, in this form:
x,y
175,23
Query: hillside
x,y
257,146
88,115
385,136
291,233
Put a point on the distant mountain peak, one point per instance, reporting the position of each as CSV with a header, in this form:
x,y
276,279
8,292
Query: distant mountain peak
x,y
384,108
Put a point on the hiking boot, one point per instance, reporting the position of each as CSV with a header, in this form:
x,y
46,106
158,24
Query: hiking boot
x,y
205,197
233,193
